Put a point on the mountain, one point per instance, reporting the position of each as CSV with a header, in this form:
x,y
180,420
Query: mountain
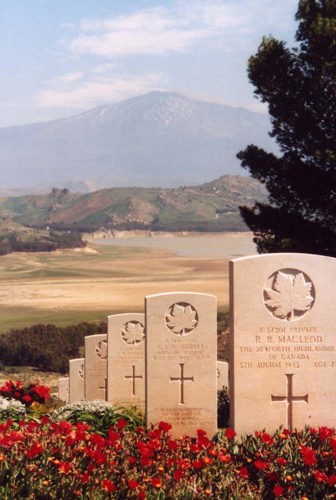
x,y
211,206
157,139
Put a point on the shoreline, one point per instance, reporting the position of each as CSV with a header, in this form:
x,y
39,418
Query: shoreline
x,y
142,233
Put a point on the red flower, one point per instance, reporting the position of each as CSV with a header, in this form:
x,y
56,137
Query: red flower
x,y
42,391
156,482
308,455
145,462
27,399
325,432
197,464
320,477
225,458
230,433
278,490
267,439
332,479
178,474
281,461
173,445
260,464
121,424
64,467
36,449
108,485
132,484
155,444
97,440
85,477
164,426
200,433
244,473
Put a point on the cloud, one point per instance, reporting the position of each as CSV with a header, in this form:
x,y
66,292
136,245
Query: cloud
x,y
68,78
150,31
93,93
186,24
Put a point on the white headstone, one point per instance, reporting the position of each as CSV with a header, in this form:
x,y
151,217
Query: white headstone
x,y
63,389
282,362
126,359
95,367
181,354
76,380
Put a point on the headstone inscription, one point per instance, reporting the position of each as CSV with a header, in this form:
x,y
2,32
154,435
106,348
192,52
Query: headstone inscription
x,y
181,353
63,389
222,375
95,383
76,380
126,359
283,341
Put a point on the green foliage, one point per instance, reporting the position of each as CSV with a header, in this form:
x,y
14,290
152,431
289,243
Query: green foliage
x,y
100,415
47,347
39,242
223,408
299,86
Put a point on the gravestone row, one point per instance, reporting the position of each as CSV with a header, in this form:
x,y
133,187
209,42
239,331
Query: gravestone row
x,y
160,361
282,351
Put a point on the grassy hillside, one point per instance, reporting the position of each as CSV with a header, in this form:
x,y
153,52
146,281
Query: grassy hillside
x,y
210,207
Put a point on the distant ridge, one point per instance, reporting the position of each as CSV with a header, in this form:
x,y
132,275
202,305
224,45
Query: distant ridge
x,y
157,139
212,206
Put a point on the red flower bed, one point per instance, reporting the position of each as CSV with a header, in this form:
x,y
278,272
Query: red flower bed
x,y
29,394
64,461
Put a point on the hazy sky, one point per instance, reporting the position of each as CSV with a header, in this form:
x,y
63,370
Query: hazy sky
x,y
61,57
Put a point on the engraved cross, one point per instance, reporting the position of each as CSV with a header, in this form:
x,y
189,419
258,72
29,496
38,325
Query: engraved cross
x,y
133,377
289,399
104,387
181,379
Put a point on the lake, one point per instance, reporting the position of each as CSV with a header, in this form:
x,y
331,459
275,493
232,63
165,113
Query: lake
x,y
214,246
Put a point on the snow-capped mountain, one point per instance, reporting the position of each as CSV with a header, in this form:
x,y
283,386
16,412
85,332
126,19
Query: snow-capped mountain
x,y
157,139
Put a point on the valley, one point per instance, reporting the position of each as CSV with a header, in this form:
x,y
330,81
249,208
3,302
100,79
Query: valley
x,y
74,285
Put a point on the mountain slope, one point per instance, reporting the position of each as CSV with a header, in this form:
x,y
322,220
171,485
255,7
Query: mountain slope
x,y
209,207
158,139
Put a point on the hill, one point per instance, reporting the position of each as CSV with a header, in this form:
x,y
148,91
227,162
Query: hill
x,y
157,139
212,206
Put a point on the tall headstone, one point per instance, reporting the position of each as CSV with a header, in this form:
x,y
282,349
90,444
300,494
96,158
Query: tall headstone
x,y
283,341
126,359
181,354
95,383
76,380
63,389
222,375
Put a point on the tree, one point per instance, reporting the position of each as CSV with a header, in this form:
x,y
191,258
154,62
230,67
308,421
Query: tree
x,y
299,85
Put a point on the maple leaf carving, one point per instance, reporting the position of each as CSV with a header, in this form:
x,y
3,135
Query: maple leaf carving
x,y
182,319
101,349
81,370
133,332
289,293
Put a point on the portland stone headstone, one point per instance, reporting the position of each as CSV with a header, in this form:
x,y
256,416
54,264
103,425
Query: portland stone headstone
x,y
63,389
126,359
95,382
76,380
181,353
283,342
